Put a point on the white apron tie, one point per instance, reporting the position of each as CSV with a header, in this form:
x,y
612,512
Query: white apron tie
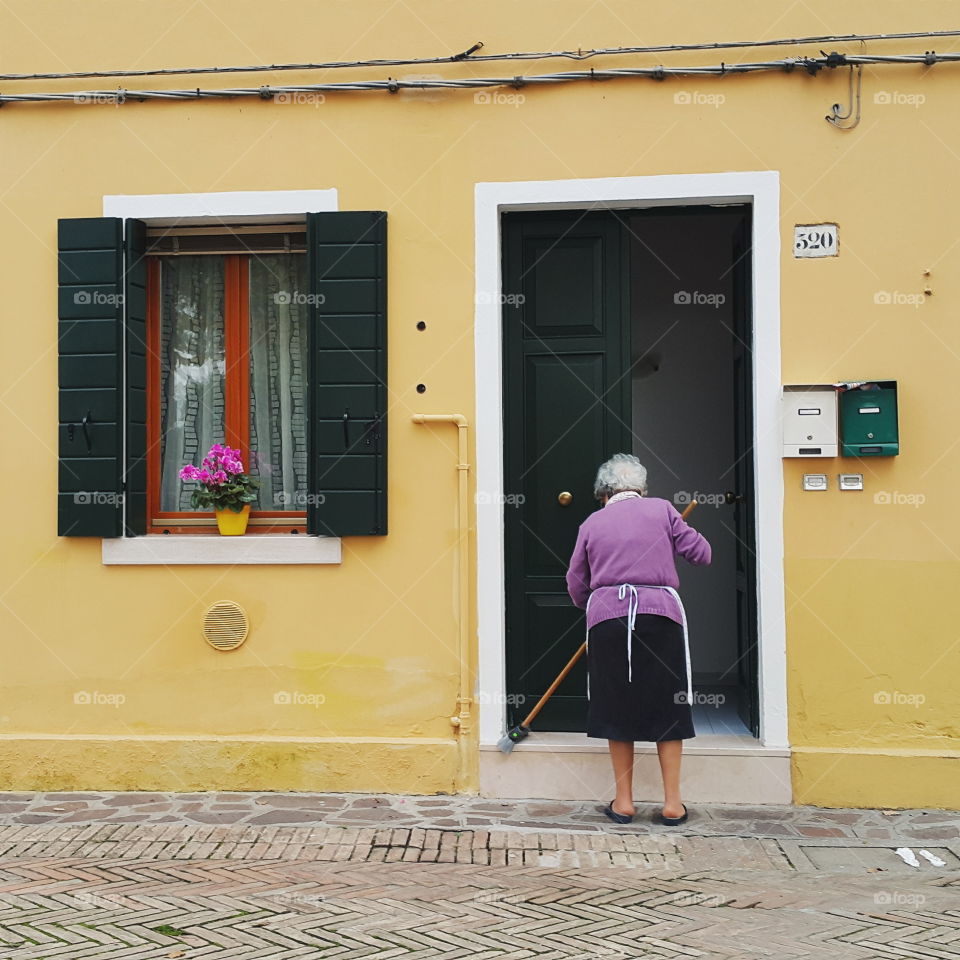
x,y
632,605
686,641
586,642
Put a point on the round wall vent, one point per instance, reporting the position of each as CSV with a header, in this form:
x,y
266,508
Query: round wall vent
x,y
225,625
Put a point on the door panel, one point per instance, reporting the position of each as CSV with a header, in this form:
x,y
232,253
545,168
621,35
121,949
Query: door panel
x,y
562,416
563,286
564,394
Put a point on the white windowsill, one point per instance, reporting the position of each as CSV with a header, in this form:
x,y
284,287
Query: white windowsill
x,y
186,549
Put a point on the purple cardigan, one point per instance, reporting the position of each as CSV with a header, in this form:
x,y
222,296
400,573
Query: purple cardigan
x,y
631,541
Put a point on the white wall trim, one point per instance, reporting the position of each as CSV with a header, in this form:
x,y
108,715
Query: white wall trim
x,y
762,190
186,549
161,208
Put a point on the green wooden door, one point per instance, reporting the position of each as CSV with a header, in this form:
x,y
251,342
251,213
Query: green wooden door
x,y
566,403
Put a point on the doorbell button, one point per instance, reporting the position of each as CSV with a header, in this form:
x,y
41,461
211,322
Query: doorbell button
x,y
814,481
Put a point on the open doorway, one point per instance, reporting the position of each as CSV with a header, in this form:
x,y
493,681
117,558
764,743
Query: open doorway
x,y
626,330
691,428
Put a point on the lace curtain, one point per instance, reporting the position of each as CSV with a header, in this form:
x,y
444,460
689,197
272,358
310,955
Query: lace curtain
x,y
191,369
278,424
192,381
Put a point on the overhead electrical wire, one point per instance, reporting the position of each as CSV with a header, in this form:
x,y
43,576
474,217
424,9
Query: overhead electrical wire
x,y
811,65
471,55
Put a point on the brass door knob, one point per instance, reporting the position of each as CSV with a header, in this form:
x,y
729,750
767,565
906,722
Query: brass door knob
x,y
565,499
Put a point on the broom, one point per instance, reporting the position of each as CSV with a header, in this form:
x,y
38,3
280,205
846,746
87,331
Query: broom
x,y
522,730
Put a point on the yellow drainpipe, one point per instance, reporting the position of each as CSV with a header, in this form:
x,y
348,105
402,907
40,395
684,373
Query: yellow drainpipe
x,y
461,721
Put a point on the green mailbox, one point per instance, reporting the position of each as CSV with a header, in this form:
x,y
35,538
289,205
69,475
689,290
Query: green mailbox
x,y
868,420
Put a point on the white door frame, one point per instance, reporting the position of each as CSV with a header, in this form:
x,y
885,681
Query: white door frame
x,y
762,190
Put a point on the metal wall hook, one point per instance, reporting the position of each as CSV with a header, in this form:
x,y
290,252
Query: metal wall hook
x,y
836,117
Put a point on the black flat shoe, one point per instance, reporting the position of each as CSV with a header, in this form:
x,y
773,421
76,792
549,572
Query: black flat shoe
x,y
674,821
616,817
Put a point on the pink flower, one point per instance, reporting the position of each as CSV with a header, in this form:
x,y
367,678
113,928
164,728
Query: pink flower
x,y
219,466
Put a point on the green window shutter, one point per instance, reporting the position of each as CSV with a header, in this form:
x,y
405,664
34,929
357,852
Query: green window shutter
x,y
90,312
92,289
347,346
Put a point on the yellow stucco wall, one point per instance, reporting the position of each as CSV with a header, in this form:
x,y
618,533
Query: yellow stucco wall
x,y
870,587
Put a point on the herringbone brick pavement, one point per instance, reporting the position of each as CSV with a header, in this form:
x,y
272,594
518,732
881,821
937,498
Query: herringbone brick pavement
x,y
83,908
159,891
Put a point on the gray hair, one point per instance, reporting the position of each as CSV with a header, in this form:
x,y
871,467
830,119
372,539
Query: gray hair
x,y
623,471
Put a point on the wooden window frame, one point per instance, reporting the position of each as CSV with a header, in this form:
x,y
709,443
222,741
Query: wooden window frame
x,y
237,402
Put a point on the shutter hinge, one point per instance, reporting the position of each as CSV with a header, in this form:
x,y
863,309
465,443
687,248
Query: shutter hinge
x,y
372,433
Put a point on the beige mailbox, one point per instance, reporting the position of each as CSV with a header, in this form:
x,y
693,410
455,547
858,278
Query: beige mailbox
x,y
810,420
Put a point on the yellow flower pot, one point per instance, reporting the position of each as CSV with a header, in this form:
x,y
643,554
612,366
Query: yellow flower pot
x,y
232,524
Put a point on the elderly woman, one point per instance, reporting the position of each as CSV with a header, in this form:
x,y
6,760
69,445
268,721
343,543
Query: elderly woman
x,y
623,574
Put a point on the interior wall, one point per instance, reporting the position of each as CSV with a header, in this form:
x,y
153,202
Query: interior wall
x,y
682,397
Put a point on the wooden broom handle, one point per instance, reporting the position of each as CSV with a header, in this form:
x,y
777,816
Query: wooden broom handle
x,y
532,715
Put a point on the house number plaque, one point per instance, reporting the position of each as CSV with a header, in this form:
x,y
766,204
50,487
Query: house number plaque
x,y
815,240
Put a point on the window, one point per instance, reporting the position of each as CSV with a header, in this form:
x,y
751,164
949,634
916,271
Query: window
x,y
275,336
227,334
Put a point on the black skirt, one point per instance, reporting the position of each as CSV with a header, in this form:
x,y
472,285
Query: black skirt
x,y
654,705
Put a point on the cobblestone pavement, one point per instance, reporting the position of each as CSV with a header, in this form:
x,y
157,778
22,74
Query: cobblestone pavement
x,y
446,812
95,880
